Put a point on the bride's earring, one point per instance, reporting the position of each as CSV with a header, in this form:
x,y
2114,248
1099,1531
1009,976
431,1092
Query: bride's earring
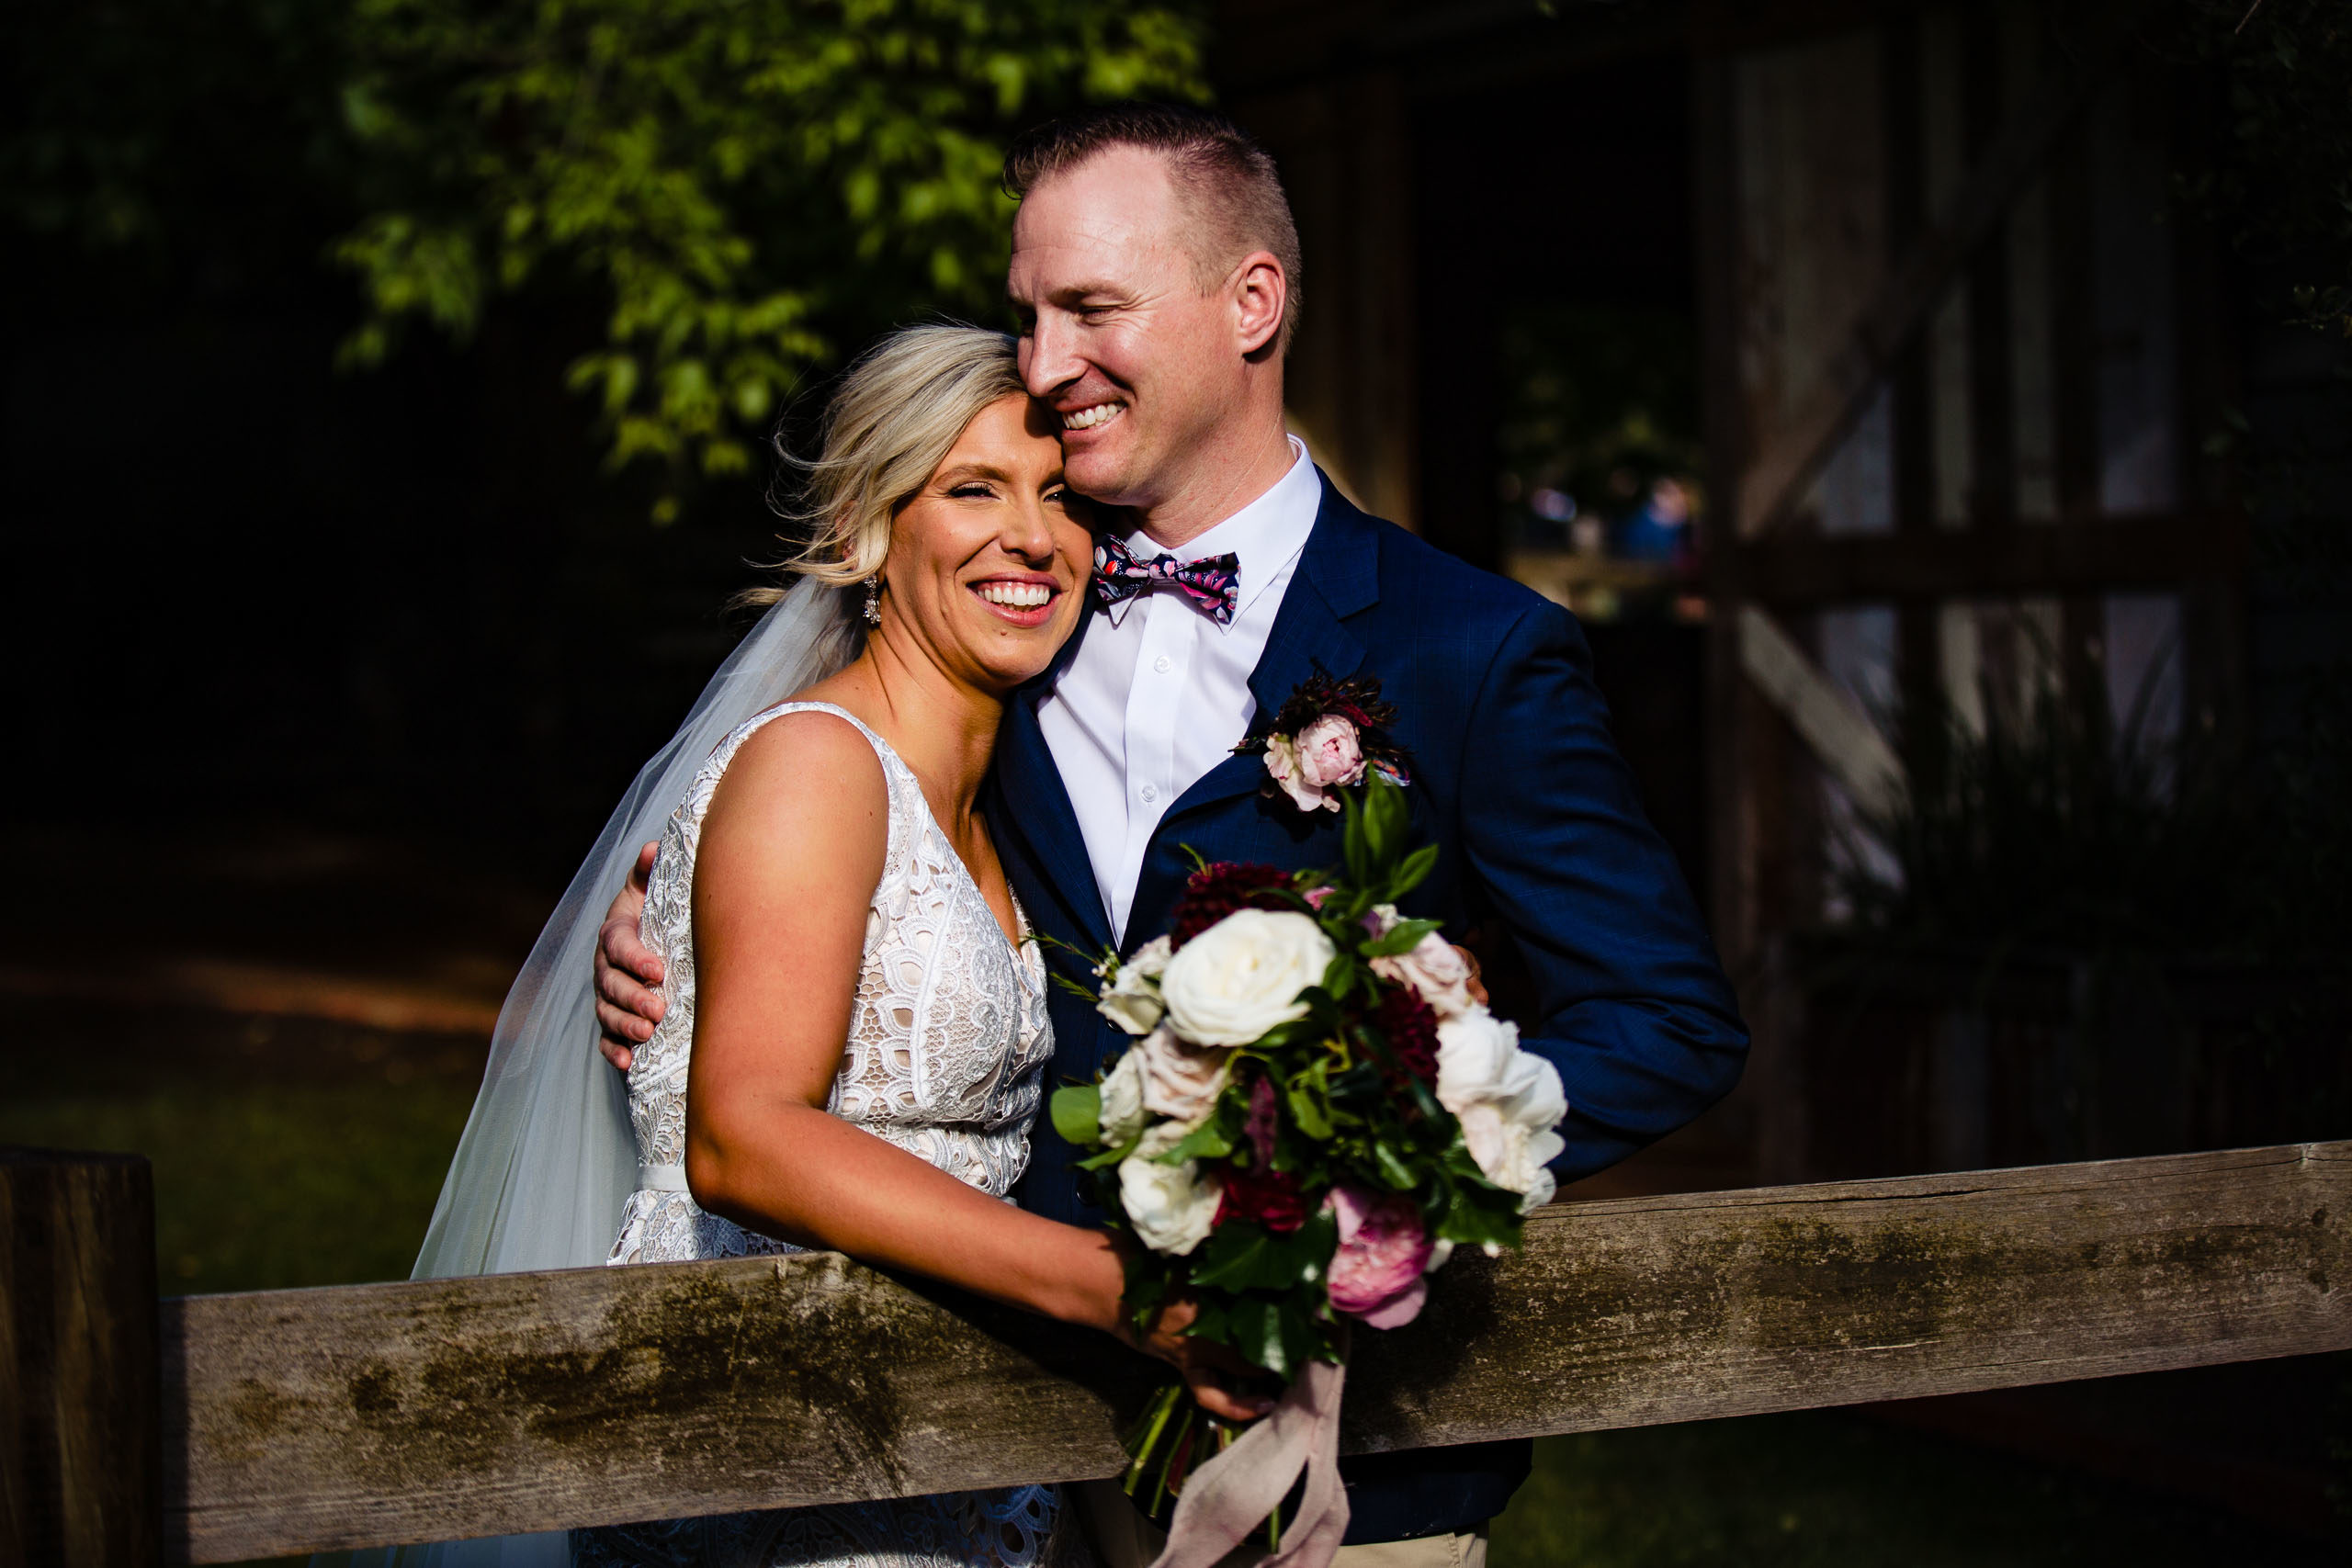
x,y
873,601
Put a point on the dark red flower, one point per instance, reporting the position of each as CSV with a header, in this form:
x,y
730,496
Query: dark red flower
x,y
1261,1193
1215,891
1409,1026
1260,1127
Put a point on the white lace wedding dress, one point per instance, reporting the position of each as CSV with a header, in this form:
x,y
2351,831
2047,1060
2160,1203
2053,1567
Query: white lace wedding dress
x,y
945,1057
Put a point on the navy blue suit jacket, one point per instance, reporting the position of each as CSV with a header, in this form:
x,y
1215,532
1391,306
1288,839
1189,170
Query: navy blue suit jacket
x,y
1516,779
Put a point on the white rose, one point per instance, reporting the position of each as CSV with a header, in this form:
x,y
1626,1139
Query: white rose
x,y
1132,1002
1473,1056
1180,1081
1122,1114
1507,1100
1170,1206
1434,967
1242,976
1511,1156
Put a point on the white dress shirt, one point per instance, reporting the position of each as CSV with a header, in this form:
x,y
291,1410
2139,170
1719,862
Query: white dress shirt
x,y
1159,693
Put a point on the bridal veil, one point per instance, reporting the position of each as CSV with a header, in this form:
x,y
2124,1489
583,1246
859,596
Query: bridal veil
x,y
547,1160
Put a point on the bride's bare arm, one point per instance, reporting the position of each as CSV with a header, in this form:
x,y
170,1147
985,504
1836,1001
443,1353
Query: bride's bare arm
x,y
790,853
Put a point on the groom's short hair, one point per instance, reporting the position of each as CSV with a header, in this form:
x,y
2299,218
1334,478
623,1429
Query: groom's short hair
x,y
1226,176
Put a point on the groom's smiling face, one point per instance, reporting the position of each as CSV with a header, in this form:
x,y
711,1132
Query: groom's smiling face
x,y
1127,332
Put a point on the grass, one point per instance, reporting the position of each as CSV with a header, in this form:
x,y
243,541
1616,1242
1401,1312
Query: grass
x,y
262,1189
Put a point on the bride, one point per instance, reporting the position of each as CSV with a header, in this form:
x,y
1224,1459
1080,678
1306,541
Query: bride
x,y
855,1034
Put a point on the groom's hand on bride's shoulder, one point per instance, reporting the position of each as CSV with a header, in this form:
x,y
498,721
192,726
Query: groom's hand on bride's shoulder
x,y
625,1010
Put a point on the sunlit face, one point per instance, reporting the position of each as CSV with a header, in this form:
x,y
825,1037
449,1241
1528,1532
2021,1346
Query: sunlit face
x,y
986,561
1116,335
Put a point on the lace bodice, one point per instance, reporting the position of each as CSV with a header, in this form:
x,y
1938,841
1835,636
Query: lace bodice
x,y
948,1038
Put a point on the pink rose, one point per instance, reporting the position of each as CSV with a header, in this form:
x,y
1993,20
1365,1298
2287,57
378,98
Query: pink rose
x,y
1324,755
1379,1272
1181,1081
1435,968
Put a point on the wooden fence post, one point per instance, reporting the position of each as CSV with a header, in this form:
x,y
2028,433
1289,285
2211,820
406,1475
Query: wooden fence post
x,y
81,1461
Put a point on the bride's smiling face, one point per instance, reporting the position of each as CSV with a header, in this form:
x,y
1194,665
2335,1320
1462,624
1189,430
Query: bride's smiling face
x,y
987,560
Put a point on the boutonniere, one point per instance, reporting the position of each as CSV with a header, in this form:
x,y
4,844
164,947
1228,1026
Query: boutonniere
x,y
1324,737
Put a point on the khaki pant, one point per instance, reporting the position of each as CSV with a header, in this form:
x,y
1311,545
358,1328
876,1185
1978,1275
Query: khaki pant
x,y
1122,1538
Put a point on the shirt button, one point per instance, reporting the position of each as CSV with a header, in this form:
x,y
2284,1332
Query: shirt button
x,y
1163,664
1149,792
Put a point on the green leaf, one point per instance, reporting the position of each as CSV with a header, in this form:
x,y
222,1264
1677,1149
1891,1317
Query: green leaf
x,y
1386,823
1206,1141
1107,1158
1258,1335
1077,1114
1415,871
1393,1168
1405,937
1475,1217
1240,1256
1339,978
1354,848
1310,1101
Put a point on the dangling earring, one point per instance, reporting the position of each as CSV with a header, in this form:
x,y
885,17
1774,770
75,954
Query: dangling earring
x,y
873,601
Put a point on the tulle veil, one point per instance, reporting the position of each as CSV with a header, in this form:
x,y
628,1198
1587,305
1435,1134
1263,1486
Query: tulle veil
x,y
547,1160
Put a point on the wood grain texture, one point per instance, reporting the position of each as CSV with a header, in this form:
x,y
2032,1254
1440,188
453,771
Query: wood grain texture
x,y
1777,476
1840,733
299,1420
80,1448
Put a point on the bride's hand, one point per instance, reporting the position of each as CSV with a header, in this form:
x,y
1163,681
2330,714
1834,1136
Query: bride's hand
x,y
625,1010
1221,1382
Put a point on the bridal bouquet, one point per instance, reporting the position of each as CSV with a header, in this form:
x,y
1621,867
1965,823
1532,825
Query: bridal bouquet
x,y
1313,1113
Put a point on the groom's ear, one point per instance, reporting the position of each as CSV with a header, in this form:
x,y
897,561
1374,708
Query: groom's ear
x,y
1260,292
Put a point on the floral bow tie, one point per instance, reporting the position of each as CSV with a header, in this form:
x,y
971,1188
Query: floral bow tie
x,y
1211,582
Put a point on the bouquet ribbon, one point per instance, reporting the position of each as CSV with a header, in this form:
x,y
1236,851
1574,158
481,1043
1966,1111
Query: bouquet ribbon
x,y
1226,1500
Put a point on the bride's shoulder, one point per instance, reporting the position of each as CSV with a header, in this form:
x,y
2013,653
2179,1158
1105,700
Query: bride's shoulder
x,y
806,778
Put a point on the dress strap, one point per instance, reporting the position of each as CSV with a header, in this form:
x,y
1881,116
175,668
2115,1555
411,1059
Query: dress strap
x,y
883,748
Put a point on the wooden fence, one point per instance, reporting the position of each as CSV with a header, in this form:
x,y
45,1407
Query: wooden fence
x,y
286,1421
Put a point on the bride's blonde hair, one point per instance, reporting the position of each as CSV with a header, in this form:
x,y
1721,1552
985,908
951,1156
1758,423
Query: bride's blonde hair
x,y
894,418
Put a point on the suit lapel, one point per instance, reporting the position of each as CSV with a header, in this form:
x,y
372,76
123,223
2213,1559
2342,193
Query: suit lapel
x,y
1038,802
1338,576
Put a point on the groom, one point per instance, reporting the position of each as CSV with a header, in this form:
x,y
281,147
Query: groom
x,y
1155,269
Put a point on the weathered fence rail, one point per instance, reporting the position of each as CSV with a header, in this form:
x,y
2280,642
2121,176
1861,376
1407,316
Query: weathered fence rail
x,y
302,1419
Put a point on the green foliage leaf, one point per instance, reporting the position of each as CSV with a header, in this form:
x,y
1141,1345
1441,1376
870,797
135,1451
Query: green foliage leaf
x,y
1077,1114
1207,1141
1405,936
1482,1214
1256,1328
1309,1097
1353,845
1239,1256
1339,978
1412,871
744,186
